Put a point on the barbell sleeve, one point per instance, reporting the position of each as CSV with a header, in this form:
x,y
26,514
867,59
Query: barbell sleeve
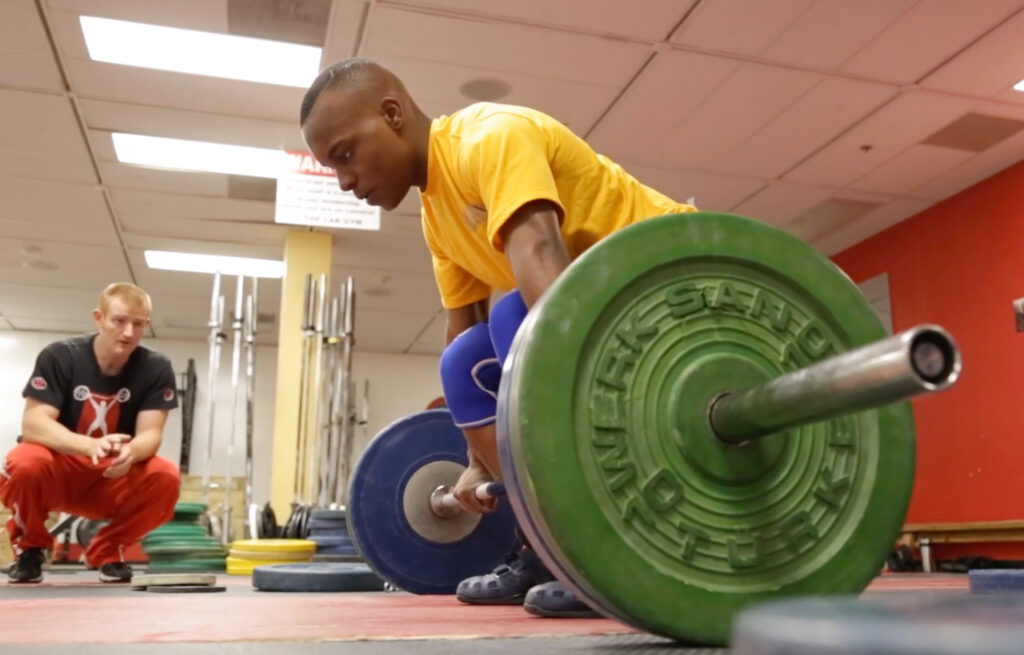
x,y
923,359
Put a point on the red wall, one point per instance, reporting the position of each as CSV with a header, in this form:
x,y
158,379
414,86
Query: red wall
x,y
960,264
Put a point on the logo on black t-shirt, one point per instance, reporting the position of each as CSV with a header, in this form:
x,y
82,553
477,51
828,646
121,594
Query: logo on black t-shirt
x,y
100,412
38,383
168,394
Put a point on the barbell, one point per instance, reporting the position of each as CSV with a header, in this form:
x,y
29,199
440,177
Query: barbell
x,y
702,413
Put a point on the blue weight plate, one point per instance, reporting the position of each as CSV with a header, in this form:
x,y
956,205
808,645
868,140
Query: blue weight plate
x,y
996,581
316,576
348,553
326,524
329,542
329,532
907,623
404,547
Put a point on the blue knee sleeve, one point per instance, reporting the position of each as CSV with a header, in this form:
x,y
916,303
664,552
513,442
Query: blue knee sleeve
x,y
506,317
470,374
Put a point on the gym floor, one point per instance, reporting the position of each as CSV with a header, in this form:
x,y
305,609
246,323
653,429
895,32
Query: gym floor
x,y
71,607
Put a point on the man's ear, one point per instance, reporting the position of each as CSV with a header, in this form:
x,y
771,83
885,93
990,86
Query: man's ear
x,y
391,110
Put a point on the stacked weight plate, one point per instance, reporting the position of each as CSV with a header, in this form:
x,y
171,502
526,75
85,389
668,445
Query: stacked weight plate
x,y
183,545
247,554
329,529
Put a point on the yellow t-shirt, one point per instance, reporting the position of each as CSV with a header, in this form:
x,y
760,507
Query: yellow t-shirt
x,y
488,160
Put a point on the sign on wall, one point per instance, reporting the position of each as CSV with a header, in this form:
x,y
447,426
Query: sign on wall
x,y
308,194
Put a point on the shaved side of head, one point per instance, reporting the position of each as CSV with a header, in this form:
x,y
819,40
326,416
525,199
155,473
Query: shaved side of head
x,y
357,75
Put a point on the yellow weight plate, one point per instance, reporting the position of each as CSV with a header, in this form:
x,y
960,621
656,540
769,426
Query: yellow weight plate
x,y
275,545
246,554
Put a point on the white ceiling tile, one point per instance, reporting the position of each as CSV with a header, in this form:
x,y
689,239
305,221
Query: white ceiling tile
x,y
990,67
711,191
141,86
435,84
433,338
926,36
37,211
398,251
27,59
21,28
29,71
39,137
744,27
343,31
128,176
210,230
673,86
108,116
829,32
639,19
173,206
832,106
407,292
870,224
203,15
77,265
780,202
908,119
752,97
58,325
388,331
19,301
911,168
502,47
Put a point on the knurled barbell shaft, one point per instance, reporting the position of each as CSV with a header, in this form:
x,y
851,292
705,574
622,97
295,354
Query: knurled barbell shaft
x,y
920,360
444,504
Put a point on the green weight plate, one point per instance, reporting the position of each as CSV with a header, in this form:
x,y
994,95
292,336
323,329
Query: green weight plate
x,y
185,508
195,540
207,564
179,530
180,548
609,460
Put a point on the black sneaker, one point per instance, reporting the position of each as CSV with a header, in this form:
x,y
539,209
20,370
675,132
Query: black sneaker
x,y
552,600
28,567
507,584
115,572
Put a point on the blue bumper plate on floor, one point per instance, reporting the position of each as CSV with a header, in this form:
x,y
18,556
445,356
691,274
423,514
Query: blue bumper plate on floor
x,y
389,513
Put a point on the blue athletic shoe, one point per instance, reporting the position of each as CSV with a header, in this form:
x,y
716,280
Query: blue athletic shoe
x,y
552,600
507,584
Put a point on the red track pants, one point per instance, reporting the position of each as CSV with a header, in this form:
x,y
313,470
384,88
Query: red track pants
x,y
36,480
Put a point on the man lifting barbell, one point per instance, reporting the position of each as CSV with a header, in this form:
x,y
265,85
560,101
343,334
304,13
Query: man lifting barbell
x,y
95,409
510,197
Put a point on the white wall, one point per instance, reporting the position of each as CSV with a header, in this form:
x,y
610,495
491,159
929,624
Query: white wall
x,y
399,385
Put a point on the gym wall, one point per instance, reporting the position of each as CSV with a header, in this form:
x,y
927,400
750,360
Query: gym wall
x,y
399,385
960,263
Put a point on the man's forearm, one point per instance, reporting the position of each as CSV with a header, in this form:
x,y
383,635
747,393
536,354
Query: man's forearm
x,y
145,444
47,432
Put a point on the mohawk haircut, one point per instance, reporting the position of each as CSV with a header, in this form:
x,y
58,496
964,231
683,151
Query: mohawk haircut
x,y
343,72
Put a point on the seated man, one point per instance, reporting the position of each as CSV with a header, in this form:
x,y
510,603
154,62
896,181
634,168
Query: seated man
x,y
95,408
510,197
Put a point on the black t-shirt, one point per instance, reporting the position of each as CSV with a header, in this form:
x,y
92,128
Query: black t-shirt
x,y
67,376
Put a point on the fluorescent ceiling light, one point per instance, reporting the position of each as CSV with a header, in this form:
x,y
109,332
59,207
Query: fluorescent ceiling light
x,y
200,53
1019,86
198,155
196,263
